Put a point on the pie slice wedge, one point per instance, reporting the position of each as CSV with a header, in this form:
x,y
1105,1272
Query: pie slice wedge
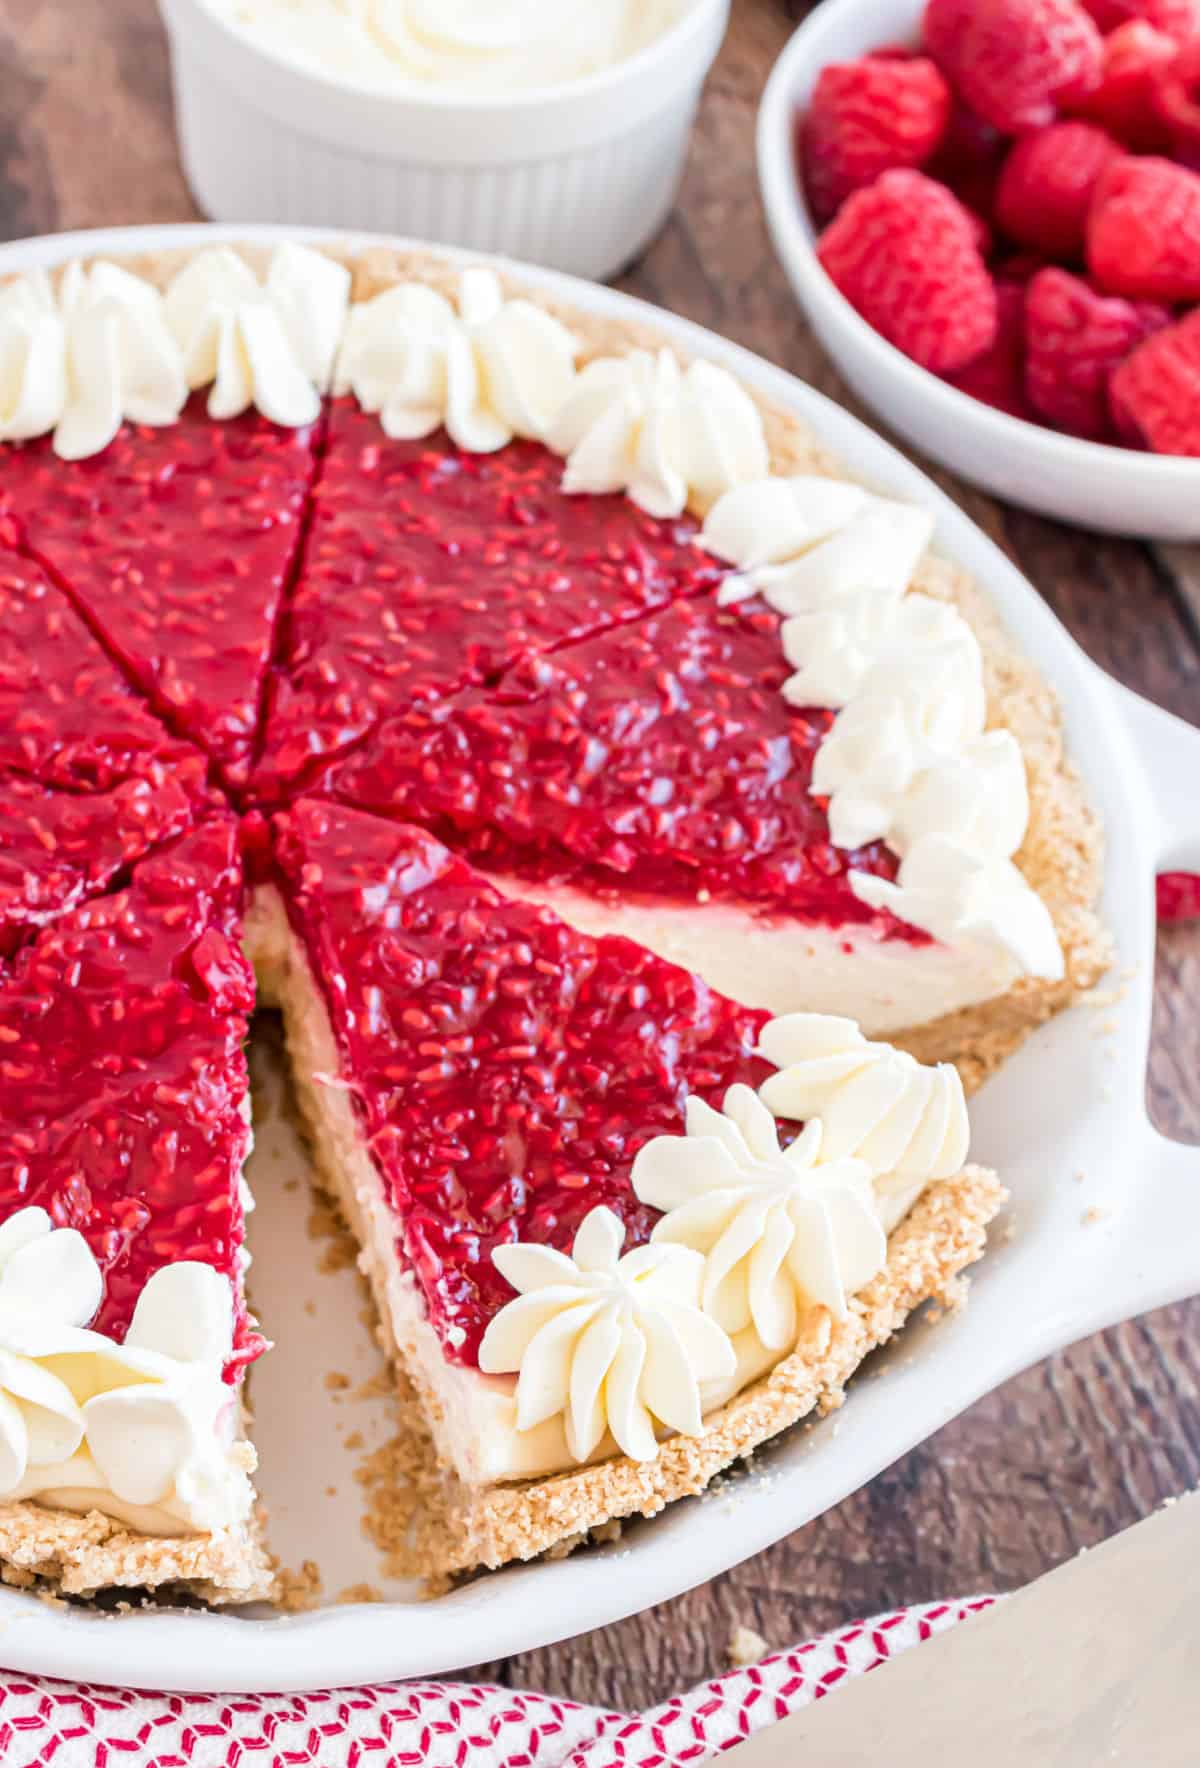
x,y
653,780
485,1084
176,545
124,1095
662,780
90,781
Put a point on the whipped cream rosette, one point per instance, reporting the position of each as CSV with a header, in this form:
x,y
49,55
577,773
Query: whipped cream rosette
x,y
271,344
489,370
615,1345
779,1230
146,1422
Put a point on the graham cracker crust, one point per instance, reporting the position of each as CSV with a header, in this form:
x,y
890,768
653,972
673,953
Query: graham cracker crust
x,y
463,1527
71,1555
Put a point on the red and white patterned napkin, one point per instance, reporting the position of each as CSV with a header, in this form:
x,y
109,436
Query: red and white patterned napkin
x,y
440,1724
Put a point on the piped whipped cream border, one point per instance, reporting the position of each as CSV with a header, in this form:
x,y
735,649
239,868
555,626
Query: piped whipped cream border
x,y
612,1352
909,759
146,1430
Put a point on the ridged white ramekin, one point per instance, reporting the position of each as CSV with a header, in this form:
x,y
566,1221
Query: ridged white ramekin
x,y
577,176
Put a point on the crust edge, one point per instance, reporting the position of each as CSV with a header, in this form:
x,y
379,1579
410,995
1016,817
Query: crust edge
x,y
927,1256
61,1552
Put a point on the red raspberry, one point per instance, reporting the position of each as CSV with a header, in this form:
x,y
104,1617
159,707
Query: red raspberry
x,y
1074,340
1177,18
867,117
981,233
1124,102
903,253
1019,267
969,160
1175,96
1046,185
1178,896
998,376
1143,232
1015,61
1156,391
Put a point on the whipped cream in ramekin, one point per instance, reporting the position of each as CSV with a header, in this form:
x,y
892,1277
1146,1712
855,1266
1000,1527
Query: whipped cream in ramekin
x,y
485,46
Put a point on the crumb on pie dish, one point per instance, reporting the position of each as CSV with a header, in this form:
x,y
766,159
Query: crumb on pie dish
x,y
646,838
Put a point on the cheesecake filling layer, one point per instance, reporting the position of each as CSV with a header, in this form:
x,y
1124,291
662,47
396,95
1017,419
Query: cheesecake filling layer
x,y
775,962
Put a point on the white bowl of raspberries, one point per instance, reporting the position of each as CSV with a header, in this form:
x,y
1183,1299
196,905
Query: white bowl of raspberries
x,y
990,212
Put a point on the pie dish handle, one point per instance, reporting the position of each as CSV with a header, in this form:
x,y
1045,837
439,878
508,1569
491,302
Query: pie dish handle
x,y
1162,1257
1160,1246
1168,750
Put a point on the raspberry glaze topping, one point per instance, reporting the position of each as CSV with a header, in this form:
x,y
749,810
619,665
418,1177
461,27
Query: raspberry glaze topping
x,y
68,717
59,848
506,1068
89,779
428,569
122,1077
659,757
176,545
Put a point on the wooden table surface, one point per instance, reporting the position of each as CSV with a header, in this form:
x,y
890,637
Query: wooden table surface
x,y
1091,1440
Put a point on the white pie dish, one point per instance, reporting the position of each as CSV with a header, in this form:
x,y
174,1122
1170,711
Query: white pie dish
x,y
1054,1280
1096,486
578,176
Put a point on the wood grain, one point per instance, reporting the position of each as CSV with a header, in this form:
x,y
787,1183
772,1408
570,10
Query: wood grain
x,y
1092,1439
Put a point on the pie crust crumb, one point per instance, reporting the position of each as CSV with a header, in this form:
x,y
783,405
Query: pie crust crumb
x,y
746,1647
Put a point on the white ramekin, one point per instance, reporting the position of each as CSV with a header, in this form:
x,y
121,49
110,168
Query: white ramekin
x,y
577,176
1115,489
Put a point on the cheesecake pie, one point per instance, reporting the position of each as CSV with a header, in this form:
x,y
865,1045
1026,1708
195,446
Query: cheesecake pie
x,y
647,838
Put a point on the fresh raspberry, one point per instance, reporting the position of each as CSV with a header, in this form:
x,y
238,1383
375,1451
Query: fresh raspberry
x,y
1156,391
903,253
1019,267
1124,101
1074,340
1015,61
1143,232
867,117
981,233
998,376
1179,19
969,159
1178,897
1046,185
1175,97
